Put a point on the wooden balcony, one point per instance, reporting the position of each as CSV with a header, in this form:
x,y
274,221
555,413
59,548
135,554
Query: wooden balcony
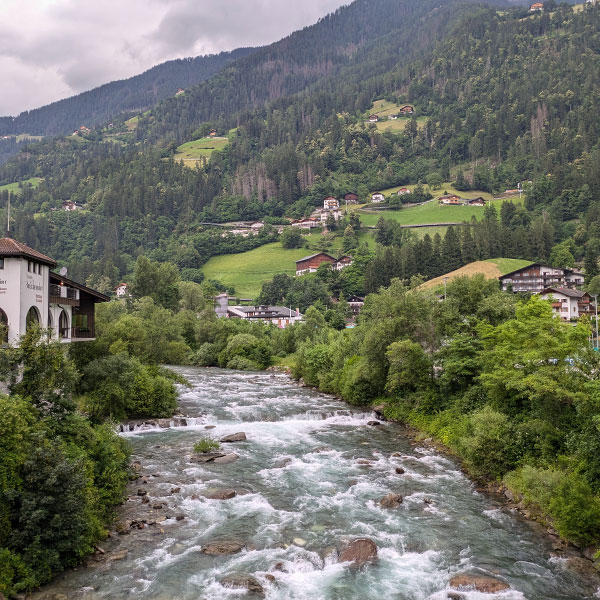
x,y
63,294
83,333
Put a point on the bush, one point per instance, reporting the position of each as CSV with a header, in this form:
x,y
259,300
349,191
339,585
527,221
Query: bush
x,y
356,385
206,356
488,446
206,444
242,364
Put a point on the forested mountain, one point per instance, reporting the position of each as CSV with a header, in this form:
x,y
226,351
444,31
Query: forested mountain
x,y
127,95
501,96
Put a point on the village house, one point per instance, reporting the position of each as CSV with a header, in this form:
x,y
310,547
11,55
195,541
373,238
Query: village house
x,y
322,215
30,294
310,264
351,198
330,203
213,133
377,197
373,118
122,290
536,277
69,206
536,7
476,201
309,223
356,303
179,92
450,200
342,262
256,227
403,191
281,316
568,304
407,110
393,117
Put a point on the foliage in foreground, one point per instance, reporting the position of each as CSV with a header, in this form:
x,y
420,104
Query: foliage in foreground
x,y
206,444
60,476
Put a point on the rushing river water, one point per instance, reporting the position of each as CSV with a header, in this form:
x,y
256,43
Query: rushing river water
x,y
301,489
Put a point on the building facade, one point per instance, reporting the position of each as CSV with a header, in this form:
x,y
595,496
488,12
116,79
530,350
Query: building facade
x,y
569,304
30,294
536,277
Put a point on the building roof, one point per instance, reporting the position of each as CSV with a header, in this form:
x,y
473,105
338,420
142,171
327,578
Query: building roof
x,y
270,312
10,247
55,277
313,256
533,264
565,292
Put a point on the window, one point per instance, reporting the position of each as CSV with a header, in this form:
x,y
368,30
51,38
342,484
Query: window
x,y
33,318
29,265
3,327
1,263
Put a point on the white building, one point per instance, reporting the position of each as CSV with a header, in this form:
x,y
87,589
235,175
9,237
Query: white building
x,y
121,290
282,316
568,303
30,294
331,203
377,197
537,277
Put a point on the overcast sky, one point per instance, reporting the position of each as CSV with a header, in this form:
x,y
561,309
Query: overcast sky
x,y
52,49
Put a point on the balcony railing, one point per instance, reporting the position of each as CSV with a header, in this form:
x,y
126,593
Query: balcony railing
x,y
63,294
79,333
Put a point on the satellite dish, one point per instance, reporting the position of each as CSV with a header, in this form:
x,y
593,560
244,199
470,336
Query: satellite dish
x,y
63,272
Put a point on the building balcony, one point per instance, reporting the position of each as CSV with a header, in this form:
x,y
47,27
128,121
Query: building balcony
x,y
63,294
83,333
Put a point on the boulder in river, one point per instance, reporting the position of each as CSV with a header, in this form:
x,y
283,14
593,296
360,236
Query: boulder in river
x,y
479,583
400,471
246,582
391,500
175,490
217,548
359,552
205,457
219,494
234,437
373,423
226,459
379,411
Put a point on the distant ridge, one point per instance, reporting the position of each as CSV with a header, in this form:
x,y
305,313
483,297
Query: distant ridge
x,y
126,95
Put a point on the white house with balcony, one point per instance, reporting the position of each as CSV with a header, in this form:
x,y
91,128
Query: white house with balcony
x,y
30,294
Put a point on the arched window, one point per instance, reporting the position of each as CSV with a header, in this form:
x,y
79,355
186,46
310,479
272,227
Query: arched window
x,y
33,318
3,327
64,330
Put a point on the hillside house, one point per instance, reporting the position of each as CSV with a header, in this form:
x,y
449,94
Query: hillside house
x,y
121,290
310,264
281,316
536,277
356,303
407,110
536,7
212,133
179,92
567,303
330,203
71,206
393,117
377,197
342,262
30,294
309,223
256,227
351,198
373,118
450,200
476,201
403,191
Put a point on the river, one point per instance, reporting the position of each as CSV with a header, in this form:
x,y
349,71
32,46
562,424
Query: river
x,y
309,476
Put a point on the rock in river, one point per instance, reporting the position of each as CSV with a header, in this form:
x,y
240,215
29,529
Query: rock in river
x,y
222,547
234,437
391,500
226,459
359,551
479,583
242,582
219,494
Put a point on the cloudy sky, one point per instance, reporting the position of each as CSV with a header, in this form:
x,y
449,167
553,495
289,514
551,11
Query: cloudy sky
x,y
52,49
